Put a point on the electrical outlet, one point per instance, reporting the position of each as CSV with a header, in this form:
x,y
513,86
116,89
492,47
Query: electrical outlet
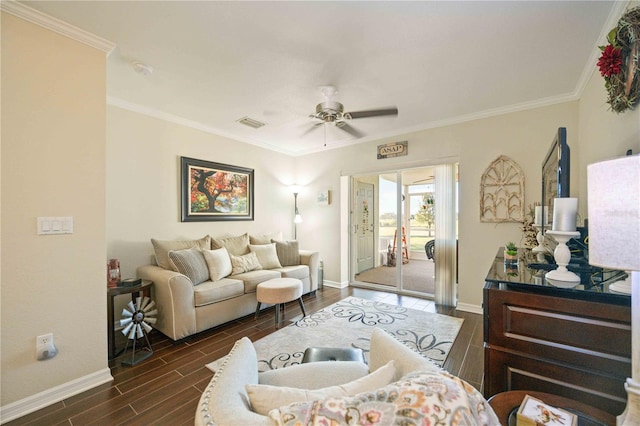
x,y
45,349
44,340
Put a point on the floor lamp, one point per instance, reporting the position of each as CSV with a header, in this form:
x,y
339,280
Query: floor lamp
x,y
613,189
297,218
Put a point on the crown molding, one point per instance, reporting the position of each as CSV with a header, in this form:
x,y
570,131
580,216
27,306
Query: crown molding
x,y
56,25
171,118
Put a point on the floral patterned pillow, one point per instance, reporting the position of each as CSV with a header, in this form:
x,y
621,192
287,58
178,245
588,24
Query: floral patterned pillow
x,y
421,398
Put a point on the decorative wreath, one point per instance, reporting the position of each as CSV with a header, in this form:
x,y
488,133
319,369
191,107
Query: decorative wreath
x,y
620,62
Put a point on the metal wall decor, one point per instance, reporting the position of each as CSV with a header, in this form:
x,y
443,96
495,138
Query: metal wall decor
x,y
502,192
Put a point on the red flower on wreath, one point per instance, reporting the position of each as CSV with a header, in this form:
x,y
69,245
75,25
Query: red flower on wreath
x,y
610,61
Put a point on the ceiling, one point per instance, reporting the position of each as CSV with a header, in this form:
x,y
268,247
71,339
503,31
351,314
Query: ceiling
x,y
437,62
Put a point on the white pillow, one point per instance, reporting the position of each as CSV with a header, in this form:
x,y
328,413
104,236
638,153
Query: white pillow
x,y
244,263
265,398
315,375
218,262
267,255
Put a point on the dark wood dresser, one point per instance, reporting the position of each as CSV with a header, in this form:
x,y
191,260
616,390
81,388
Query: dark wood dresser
x,y
570,342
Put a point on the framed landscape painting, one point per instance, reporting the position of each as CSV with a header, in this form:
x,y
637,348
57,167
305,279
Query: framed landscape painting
x,y
215,191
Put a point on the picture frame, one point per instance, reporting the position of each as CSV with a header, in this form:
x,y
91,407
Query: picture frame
x,y
215,191
323,198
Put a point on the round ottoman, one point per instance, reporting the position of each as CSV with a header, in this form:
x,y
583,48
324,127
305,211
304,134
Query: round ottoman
x,y
279,291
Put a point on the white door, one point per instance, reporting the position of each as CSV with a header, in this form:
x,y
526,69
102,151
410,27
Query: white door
x,y
364,226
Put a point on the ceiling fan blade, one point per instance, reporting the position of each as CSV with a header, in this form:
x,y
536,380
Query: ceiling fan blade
x,y
312,128
371,113
349,129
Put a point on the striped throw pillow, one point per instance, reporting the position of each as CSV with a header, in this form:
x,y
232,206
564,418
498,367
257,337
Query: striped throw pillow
x,y
191,263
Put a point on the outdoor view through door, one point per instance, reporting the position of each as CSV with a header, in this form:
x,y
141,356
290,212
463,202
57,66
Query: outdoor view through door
x,y
393,236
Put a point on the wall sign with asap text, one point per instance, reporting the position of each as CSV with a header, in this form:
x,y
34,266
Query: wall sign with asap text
x,y
394,149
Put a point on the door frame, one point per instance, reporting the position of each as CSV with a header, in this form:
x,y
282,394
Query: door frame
x,y
347,214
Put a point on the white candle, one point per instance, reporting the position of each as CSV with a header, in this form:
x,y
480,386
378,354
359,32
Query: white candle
x,y
565,214
540,217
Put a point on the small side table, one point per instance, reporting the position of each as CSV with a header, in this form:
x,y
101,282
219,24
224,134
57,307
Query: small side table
x,y
505,403
144,289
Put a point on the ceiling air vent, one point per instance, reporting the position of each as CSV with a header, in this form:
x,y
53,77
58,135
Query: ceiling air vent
x,y
251,122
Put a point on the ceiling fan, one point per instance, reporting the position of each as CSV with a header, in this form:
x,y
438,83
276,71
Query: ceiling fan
x,y
332,112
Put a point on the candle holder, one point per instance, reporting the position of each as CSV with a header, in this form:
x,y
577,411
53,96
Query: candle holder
x,y
540,238
562,277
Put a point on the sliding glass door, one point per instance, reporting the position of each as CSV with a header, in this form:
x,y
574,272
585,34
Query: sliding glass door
x,y
393,233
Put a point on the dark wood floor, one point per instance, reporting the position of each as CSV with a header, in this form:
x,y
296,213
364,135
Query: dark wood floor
x,y
164,389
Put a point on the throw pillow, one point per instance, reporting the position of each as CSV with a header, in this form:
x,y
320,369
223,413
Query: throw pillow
x,y
218,262
236,246
288,252
264,238
315,375
265,398
245,263
191,263
412,400
161,249
267,255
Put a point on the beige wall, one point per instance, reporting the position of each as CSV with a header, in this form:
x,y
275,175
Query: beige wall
x,y
603,133
53,150
524,136
143,185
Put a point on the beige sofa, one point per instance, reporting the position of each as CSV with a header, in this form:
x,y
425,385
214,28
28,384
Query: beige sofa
x,y
399,386
199,284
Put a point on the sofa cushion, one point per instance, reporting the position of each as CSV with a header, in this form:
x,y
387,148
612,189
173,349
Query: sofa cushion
x,y
288,252
218,262
264,398
315,375
236,246
299,271
384,346
215,291
161,249
418,398
264,238
190,262
245,263
251,279
267,256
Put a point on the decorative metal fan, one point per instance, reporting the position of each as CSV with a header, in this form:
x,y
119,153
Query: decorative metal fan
x,y
332,112
136,320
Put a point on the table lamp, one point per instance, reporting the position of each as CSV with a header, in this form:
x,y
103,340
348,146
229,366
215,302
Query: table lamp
x,y
613,189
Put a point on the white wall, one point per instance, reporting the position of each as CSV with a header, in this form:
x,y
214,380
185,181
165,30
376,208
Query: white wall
x,y
53,164
524,136
143,185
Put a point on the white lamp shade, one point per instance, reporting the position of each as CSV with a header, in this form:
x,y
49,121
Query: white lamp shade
x,y
297,218
613,190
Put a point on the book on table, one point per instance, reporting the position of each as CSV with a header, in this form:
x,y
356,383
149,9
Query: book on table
x,y
533,412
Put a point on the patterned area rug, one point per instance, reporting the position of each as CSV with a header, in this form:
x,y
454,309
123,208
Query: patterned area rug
x,y
349,323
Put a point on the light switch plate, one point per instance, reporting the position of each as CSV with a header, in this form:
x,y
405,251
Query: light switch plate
x,y
55,225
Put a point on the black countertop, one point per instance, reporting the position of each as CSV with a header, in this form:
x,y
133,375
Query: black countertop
x,y
528,274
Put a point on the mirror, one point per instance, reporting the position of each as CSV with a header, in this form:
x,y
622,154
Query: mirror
x,y
555,172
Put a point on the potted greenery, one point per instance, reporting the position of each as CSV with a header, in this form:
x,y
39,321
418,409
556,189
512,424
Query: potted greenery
x,y
510,253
